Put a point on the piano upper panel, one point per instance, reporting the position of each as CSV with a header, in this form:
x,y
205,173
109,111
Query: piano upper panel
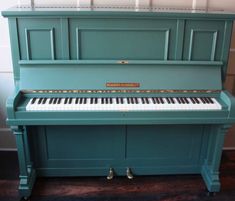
x,y
49,37
122,39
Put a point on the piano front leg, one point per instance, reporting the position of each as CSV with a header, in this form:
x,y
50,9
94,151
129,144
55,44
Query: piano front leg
x,y
27,172
210,168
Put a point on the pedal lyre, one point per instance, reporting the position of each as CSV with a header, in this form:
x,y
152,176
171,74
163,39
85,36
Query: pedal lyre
x,y
111,174
129,173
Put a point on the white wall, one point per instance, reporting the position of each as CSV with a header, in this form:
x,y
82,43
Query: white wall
x,y
6,77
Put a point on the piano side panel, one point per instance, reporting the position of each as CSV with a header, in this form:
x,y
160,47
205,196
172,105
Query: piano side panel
x,y
92,150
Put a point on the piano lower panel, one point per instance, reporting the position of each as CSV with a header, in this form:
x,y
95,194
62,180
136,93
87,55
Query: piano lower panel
x,y
92,150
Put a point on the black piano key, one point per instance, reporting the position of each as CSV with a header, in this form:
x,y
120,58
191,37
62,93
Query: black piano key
x,y
186,101
66,100
153,100
192,100
179,100
111,100
40,101
55,100
106,101
172,100
161,100
168,100
206,102
51,100
117,100
91,100
197,100
44,100
128,101
142,100
33,101
102,100
146,100
85,100
96,100
122,101
182,100
76,101
136,100
210,99
132,101
203,101
157,100
70,100
59,100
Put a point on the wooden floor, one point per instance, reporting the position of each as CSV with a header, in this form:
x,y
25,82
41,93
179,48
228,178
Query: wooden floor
x,y
157,188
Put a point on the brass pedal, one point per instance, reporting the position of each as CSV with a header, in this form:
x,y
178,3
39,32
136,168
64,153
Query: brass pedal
x,y
110,174
129,173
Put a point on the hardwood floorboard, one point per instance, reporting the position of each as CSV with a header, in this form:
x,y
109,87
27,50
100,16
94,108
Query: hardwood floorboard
x,y
145,188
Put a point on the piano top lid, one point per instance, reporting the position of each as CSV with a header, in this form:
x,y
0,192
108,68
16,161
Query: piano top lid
x,y
116,11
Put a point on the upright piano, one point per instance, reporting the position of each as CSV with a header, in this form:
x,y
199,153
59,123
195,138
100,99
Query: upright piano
x,y
119,92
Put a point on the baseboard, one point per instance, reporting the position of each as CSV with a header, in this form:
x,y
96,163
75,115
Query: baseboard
x,y
229,148
15,149
5,129
8,149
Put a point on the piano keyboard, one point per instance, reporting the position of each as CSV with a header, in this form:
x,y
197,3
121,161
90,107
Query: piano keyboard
x,y
123,104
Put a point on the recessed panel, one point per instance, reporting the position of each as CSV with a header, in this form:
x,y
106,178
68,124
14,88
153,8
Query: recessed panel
x,y
40,44
122,39
123,44
164,144
83,142
40,39
202,45
203,40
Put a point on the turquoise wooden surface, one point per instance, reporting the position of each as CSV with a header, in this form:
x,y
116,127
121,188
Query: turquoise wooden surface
x,y
96,76
119,147
84,49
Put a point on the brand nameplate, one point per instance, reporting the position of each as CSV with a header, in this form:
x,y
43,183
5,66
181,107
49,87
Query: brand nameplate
x,y
121,84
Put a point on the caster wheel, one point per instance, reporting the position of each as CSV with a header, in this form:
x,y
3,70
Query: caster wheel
x,y
210,194
25,199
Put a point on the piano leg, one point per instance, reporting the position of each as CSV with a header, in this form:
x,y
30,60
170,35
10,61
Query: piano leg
x,y
27,172
210,169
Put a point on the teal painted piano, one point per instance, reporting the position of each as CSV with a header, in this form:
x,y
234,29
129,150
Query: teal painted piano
x,y
119,92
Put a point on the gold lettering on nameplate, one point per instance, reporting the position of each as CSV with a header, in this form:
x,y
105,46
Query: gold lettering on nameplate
x,y
121,84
